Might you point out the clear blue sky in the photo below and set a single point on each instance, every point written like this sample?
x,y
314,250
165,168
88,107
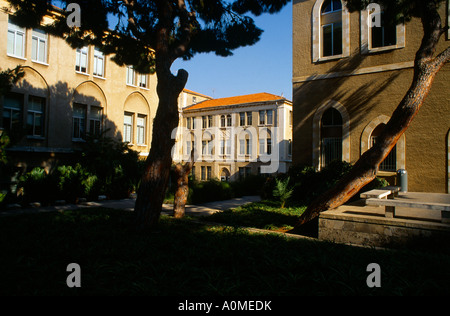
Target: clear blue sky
x,y
263,67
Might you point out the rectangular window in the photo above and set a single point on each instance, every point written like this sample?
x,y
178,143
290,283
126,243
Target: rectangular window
x,y
204,122
95,120
143,81
269,117
229,120
140,125
35,116
193,123
81,63
39,40
210,147
203,175
383,36
262,117
208,173
242,146
131,76
210,121
99,63
193,173
16,40
332,39
242,119
188,122
269,146
128,128
204,147
79,121
12,112
248,145
249,118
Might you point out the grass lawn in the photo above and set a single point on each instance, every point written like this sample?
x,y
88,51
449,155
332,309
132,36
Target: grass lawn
x,y
186,258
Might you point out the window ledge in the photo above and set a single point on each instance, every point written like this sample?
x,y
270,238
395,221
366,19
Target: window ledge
x,y
329,58
40,62
18,57
384,49
99,77
82,73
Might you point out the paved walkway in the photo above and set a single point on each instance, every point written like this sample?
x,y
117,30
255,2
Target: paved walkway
x,y
128,204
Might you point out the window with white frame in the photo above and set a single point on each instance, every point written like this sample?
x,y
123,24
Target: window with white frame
x,y
39,46
229,121
16,40
265,143
143,81
378,33
81,62
128,128
222,121
12,111
140,125
99,63
79,121
131,76
331,28
35,116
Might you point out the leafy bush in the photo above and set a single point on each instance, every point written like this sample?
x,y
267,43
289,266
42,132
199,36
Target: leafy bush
x,y
38,186
282,191
208,191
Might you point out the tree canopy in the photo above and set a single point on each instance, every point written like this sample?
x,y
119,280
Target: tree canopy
x,y
128,29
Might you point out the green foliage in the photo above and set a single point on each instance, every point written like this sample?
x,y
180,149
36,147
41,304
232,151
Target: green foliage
x,y
397,11
217,26
208,191
106,167
282,190
8,78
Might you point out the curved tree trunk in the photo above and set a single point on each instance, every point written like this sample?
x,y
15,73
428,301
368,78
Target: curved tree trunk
x,y
366,168
152,189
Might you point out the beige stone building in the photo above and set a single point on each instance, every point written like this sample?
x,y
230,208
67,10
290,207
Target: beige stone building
x,y
349,74
67,93
236,136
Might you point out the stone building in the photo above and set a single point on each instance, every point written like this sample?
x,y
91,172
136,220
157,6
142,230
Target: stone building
x,y
350,71
236,136
67,93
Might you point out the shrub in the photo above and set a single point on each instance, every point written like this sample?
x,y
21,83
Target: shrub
x,y
282,191
38,186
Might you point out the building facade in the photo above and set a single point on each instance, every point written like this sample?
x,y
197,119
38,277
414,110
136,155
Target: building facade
x,y
236,136
68,93
350,71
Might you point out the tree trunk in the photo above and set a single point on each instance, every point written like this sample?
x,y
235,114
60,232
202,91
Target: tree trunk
x,y
366,168
182,191
153,185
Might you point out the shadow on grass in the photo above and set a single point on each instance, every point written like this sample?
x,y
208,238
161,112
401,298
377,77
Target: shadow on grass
x,y
186,258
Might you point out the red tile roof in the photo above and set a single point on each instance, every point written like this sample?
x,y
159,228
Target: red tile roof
x,y
243,99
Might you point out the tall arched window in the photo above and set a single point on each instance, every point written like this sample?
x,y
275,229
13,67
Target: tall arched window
x,y
390,163
331,28
331,136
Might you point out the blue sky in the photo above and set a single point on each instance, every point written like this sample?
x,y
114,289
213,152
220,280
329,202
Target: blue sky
x,y
263,67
